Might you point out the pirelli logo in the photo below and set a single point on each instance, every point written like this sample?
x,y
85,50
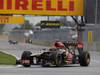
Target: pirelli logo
x,y
11,20
42,7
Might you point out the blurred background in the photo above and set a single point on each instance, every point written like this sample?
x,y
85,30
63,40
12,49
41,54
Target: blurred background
x,y
44,30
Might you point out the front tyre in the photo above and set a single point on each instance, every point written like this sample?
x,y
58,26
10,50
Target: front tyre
x,y
84,59
26,58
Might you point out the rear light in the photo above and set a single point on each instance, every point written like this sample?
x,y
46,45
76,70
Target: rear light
x,y
25,61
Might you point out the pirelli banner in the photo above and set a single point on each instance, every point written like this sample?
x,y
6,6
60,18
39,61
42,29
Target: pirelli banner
x,y
42,7
12,20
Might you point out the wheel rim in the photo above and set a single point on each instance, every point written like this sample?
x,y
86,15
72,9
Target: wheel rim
x,y
87,58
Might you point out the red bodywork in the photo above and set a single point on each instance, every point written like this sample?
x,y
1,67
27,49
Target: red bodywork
x,y
80,44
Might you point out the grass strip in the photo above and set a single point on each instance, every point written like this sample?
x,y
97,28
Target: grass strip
x,y
7,59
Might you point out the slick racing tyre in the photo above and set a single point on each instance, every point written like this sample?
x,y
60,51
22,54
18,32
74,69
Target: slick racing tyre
x,y
26,58
84,59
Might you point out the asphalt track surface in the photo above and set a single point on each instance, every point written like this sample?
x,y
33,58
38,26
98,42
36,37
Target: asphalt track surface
x,y
16,50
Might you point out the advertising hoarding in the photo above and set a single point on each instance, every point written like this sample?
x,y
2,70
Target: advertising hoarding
x,y
12,20
42,7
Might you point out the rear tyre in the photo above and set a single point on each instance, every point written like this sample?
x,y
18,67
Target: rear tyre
x,y
84,59
26,55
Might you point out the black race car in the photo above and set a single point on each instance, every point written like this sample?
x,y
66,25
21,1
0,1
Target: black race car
x,y
64,53
12,42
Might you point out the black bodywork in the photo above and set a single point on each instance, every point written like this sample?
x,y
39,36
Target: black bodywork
x,y
55,57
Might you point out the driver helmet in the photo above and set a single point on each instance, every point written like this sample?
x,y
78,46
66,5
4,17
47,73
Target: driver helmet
x,y
59,44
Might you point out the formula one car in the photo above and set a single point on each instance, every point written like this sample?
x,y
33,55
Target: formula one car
x,y
13,42
29,41
61,54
